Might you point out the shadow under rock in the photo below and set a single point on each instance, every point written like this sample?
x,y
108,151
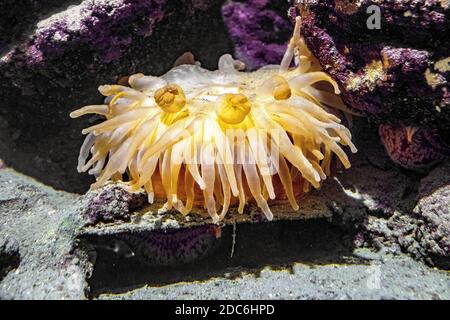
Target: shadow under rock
x,y
382,186
278,245
9,261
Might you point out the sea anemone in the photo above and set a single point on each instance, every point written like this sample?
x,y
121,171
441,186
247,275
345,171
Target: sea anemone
x,y
413,147
223,136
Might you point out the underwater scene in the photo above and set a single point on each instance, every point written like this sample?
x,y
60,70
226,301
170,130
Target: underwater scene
x,y
225,150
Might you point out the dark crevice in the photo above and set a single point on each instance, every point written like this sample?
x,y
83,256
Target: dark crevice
x,y
278,245
9,261
396,33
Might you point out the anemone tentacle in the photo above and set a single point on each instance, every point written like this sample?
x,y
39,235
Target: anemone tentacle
x,y
220,138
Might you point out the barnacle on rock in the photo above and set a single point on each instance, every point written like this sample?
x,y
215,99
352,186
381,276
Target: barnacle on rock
x,y
222,136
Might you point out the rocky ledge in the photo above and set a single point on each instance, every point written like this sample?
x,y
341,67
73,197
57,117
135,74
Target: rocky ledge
x,y
373,226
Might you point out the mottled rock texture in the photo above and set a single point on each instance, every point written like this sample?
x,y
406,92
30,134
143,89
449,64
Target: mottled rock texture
x,y
413,147
173,247
397,74
38,258
111,203
388,71
424,231
60,65
433,209
18,18
259,29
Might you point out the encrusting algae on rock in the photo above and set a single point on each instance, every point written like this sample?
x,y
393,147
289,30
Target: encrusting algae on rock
x,y
221,136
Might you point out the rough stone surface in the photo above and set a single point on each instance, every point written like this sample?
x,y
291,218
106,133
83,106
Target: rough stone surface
x,y
59,66
396,74
423,232
9,256
18,18
37,234
259,29
111,203
433,208
386,72
381,277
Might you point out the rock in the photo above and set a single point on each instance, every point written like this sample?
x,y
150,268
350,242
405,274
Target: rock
x,y
380,277
110,203
167,247
93,25
384,72
9,256
423,231
59,67
433,210
260,30
17,19
413,147
38,259
396,74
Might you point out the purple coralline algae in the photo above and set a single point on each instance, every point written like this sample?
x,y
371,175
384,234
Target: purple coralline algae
x,y
62,59
397,73
392,71
95,24
105,26
413,147
258,31
173,246
111,203
17,17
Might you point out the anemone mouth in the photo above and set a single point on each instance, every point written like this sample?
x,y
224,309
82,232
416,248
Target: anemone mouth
x,y
219,138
